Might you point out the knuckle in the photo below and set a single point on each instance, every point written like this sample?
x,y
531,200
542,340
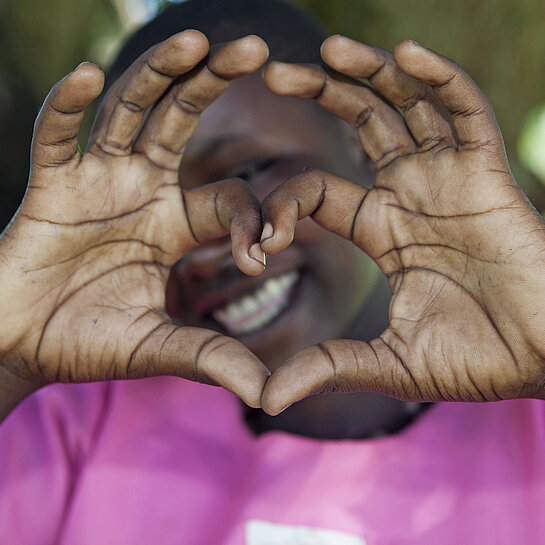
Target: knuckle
x,y
447,81
363,117
411,101
202,359
236,185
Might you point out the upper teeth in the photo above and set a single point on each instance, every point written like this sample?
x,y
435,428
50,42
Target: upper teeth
x,y
253,311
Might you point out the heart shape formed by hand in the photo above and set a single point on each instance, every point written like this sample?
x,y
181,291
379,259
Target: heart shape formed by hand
x,y
87,257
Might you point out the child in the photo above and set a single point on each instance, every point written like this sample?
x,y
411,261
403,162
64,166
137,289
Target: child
x,y
86,262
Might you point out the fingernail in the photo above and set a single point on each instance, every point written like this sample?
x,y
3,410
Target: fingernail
x,y
286,407
414,43
256,253
268,232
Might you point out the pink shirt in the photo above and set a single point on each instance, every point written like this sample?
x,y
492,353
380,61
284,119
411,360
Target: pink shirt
x,y
165,461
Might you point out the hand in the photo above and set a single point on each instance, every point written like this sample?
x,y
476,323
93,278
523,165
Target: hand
x,y
85,261
463,250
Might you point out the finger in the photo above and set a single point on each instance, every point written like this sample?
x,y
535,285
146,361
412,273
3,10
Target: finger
x,y
174,119
333,202
55,140
339,366
472,114
425,115
199,355
381,129
121,114
230,206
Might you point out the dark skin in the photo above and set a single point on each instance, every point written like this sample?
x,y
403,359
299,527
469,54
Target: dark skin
x,y
255,134
85,275
266,139
86,259
462,248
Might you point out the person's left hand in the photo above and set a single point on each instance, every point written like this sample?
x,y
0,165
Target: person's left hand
x,y
463,250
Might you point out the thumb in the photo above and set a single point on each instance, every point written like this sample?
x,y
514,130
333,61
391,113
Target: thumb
x,y
339,366
202,356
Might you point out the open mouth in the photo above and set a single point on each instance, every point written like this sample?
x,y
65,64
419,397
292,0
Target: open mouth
x,y
257,309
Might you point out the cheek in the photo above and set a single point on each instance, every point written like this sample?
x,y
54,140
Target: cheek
x,y
344,275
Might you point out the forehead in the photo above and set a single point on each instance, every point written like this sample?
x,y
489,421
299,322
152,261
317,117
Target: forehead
x,y
249,111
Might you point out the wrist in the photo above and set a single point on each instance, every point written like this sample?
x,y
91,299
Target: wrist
x,y
15,385
14,388
19,310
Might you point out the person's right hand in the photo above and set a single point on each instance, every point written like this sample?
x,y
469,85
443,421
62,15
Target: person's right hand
x,y
84,263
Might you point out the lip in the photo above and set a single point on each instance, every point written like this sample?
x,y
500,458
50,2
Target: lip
x,y
213,295
183,310
192,302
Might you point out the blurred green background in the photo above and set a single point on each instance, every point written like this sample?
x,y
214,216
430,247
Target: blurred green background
x,y
501,43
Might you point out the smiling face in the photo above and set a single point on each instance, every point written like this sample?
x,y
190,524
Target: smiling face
x,y
314,289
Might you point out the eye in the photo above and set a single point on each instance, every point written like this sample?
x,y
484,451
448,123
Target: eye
x,y
252,170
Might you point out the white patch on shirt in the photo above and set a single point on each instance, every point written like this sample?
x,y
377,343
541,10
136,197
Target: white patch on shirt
x,y
259,532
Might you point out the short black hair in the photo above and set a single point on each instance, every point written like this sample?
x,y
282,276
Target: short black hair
x,y
292,36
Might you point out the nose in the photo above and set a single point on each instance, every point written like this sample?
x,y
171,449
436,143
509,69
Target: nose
x,y
209,260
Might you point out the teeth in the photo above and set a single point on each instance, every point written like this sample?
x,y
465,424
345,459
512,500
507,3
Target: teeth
x,y
249,304
234,311
253,311
273,286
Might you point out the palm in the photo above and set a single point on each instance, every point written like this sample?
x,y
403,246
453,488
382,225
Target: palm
x,y
445,222
118,228
439,340
445,259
